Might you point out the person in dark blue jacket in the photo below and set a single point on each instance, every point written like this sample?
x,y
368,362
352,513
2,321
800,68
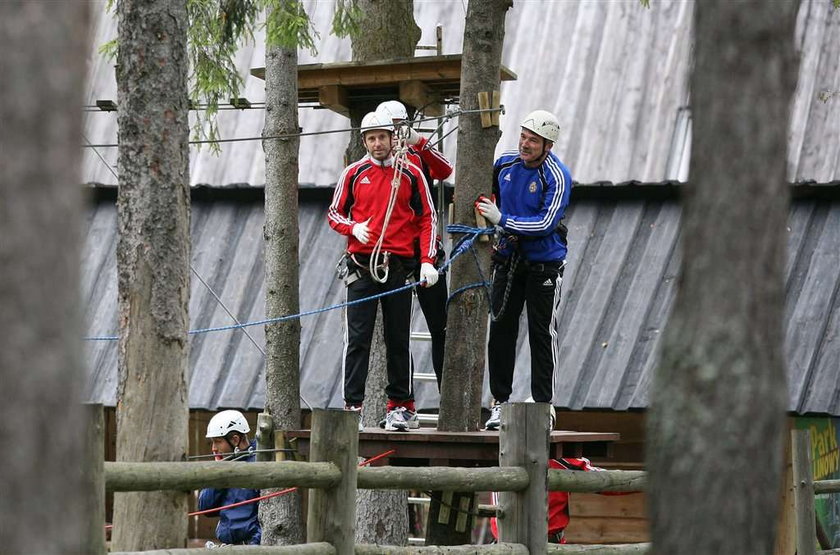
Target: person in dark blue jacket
x,y
228,432
531,189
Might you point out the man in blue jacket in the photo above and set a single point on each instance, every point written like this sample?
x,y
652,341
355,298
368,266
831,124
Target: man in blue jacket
x,y
531,188
228,432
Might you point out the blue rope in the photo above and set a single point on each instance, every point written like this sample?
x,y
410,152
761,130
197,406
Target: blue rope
x,y
463,244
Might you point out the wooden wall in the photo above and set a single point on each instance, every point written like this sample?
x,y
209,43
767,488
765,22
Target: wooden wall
x,y
609,518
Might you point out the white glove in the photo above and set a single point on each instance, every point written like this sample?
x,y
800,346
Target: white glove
x,y
490,211
429,273
361,232
407,133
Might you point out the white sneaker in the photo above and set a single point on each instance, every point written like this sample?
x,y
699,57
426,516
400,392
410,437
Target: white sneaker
x,y
395,420
412,419
495,420
356,408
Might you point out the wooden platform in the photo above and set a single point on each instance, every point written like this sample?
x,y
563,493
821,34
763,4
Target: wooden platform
x,y
428,446
426,81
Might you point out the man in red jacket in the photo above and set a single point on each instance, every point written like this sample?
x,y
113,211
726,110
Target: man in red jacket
x,y
558,501
382,204
434,165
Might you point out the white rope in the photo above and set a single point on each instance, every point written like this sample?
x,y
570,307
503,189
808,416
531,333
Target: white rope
x,y
379,272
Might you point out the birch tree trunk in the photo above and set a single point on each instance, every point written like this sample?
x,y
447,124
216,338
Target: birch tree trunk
x,y
43,506
282,517
387,31
153,255
719,398
460,403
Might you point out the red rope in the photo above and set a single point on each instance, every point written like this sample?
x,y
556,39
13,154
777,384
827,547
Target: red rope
x,y
276,493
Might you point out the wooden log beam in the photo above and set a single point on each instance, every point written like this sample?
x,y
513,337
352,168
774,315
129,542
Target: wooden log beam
x,y
613,549
334,97
418,94
523,442
320,548
95,478
826,486
183,476
591,482
443,478
803,490
265,437
331,515
513,548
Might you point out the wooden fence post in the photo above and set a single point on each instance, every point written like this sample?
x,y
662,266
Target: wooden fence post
x,y
803,481
332,512
94,477
523,442
265,437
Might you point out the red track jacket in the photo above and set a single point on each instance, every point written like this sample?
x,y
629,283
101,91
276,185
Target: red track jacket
x,y
558,501
362,192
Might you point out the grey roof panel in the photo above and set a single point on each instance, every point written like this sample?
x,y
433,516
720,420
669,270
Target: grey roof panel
x,y
618,291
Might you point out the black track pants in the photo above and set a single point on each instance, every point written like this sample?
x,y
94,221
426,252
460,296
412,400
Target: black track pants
x,y
433,304
360,321
538,287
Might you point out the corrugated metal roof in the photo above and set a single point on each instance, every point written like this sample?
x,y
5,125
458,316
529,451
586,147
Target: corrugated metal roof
x,y
617,293
616,75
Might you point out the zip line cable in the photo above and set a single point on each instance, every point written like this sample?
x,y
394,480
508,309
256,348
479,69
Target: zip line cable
x,y
203,282
449,115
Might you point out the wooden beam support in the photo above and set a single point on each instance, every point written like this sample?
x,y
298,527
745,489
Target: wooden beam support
x,y
523,442
484,104
418,94
265,437
591,482
332,511
183,476
786,528
322,548
94,477
334,97
443,478
803,489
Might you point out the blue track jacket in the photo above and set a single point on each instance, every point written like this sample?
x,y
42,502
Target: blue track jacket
x,y
532,202
239,524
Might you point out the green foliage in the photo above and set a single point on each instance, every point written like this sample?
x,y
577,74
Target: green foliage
x,y
347,17
837,4
288,26
645,3
216,29
110,49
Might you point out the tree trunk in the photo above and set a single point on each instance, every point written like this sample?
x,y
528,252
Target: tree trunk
x,y
387,31
43,67
460,403
282,517
153,255
718,403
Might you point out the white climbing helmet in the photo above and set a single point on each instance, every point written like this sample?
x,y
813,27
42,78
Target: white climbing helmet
x,y
544,124
373,121
225,422
391,110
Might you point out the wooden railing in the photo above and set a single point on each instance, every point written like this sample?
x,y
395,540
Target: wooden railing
x,y
804,489
522,478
